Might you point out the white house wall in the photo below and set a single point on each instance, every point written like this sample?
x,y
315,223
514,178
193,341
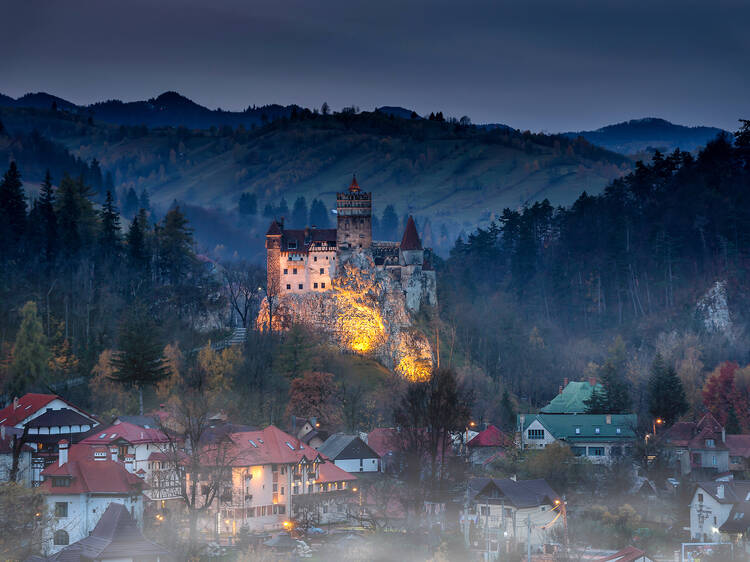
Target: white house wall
x,y
353,465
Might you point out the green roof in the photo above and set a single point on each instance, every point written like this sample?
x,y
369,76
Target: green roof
x,y
571,399
563,426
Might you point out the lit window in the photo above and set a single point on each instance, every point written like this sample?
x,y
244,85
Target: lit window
x,y
288,444
596,430
618,431
578,430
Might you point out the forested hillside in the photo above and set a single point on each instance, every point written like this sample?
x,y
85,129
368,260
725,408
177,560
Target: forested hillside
x,y
450,175
540,294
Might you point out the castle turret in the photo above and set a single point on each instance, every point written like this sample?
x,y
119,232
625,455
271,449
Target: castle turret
x,y
273,257
410,251
354,218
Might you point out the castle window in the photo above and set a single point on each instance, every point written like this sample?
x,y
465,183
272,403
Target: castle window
x,y
321,271
315,258
322,285
286,272
292,245
288,286
300,286
315,285
294,271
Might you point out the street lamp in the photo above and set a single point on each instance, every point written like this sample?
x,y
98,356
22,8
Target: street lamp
x,y
657,421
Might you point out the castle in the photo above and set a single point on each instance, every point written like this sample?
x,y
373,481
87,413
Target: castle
x,y
308,260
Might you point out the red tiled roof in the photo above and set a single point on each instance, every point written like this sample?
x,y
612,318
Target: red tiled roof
x,y
91,476
410,240
680,434
383,440
354,185
131,433
490,437
268,446
739,445
627,554
329,472
27,406
327,236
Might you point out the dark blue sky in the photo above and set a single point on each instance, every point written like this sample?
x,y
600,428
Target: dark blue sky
x,y
541,64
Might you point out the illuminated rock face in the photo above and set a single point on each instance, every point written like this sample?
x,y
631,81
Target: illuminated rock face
x,y
367,311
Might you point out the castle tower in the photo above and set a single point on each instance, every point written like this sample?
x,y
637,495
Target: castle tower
x,y
273,258
410,250
354,218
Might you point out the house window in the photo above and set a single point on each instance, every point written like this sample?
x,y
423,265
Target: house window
x,y
579,451
700,498
484,510
263,511
282,490
286,272
275,487
578,430
536,434
596,451
61,509
713,460
294,271
292,245
60,482
283,470
596,430
321,271
282,509
710,443
61,538
618,430
315,258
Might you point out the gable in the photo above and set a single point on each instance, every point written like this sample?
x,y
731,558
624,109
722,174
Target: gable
x,y
357,449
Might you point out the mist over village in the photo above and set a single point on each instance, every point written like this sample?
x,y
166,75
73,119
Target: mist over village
x,y
410,282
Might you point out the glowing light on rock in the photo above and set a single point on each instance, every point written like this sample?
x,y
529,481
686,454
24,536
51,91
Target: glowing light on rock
x,y
414,358
360,324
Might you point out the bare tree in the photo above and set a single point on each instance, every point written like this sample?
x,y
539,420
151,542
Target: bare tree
x,y
23,519
243,283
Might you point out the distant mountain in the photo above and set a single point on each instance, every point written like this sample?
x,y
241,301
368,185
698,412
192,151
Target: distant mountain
x,y
643,135
169,109
397,111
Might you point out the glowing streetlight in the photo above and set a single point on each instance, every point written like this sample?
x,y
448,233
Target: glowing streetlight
x,y
657,421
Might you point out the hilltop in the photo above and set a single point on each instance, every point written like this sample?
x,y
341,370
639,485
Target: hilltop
x,y
450,175
645,135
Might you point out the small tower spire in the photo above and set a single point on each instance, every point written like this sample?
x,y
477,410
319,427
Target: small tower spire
x,y
354,187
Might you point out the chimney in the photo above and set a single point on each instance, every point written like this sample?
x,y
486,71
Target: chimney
x,y
129,463
559,389
565,382
720,491
113,453
62,456
15,403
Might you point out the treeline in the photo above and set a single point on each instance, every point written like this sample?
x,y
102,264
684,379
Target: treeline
x,y
637,257
73,259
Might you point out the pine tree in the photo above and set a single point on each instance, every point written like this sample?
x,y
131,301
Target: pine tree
x,y
319,214
30,353
508,419
299,213
138,256
12,209
666,394
175,240
130,203
144,201
614,395
48,220
139,360
109,235
389,224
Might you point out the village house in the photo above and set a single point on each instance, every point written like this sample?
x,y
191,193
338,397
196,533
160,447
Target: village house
x,y
81,485
308,431
146,446
697,449
601,438
115,538
739,454
275,476
720,511
43,420
350,453
488,445
499,512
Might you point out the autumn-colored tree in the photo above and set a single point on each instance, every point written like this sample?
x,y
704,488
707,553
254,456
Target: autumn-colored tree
x,y
169,384
722,399
315,395
110,397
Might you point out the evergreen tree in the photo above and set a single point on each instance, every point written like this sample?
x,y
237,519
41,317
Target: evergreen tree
x,y
130,204
175,242
48,220
109,234
299,213
666,394
318,214
12,209
144,201
508,415
248,204
30,354
614,395
138,255
389,224
139,360
283,209
95,176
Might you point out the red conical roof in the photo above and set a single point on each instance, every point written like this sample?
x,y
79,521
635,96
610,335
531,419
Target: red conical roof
x,y
354,186
274,229
410,240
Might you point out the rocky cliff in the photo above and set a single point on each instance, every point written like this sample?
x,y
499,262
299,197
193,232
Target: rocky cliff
x,y
366,311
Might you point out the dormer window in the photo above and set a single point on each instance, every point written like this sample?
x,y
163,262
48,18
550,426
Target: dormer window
x,y
618,430
292,245
597,430
578,430
710,443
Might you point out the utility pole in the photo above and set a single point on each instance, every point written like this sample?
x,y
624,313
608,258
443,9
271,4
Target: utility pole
x,y
528,538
